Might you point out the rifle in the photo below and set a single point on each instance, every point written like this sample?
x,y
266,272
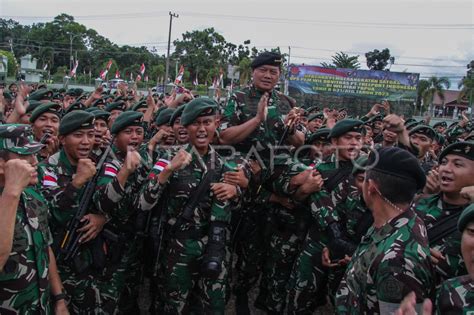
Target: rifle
x,y
443,228
70,243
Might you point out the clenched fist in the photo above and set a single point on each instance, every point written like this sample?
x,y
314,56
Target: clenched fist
x,y
85,171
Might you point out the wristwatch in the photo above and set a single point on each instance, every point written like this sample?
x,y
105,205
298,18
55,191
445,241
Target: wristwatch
x,y
59,296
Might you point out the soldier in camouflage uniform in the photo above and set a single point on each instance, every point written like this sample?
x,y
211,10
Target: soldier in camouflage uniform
x,y
308,282
194,252
118,187
456,166
29,281
393,258
456,296
253,122
101,130
45,120
63,177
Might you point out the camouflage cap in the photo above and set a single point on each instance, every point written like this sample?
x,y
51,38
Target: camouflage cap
x,y
164,116
75,120
466,217
345,126
49,107
42,94
198,107
126,119
18,139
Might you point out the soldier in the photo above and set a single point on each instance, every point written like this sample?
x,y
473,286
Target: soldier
x,y
118,187
308,281
197,214
102,133
440,127
422,138
440,210
63,177
29,280
45,124
393,258
115,109
180,133
315,121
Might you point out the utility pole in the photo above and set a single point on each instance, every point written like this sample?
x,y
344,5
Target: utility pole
x,y
71,59
470,75
287,79
172,15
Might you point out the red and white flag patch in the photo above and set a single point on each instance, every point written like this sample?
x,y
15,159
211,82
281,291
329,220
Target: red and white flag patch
x,y
110,170
161,164
50,179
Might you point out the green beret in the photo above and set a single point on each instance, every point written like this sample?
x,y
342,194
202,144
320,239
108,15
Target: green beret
x,y
316,116
120,105
126,119
440,139
75,106
345,126
164,116
397,162
440,124
412,125
18,139
78,119
7,95
322,134
467,216
75,92
91,109
140,104
374,119
42,94
360,164
424,130
267,58
100,114
57,96
32,106
409,120
198,107
50,107
119,98
177,113
62,90
311,109
464,149
97,102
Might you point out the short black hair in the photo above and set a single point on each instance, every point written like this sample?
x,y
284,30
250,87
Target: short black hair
x,y
396,189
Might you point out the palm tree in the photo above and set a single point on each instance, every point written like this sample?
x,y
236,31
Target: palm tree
x,y
245,70
435,87
343,60
422,86
467,91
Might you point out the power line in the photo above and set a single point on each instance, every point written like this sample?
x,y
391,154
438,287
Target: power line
x,y
262,19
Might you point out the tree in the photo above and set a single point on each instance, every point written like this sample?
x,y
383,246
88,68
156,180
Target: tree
x,y
379,60
343,60
423,85
12,66
245,71
435,87
467,90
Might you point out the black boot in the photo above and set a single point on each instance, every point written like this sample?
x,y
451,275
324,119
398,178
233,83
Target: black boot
x,y
215,251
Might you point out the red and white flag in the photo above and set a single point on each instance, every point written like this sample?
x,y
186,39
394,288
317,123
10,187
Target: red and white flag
x,y
146,78
221,77
131,76
117,74
73,70
45,67
142,69
195,81
215,83
103,74
110,170
139,78
109,64
179,77
50,179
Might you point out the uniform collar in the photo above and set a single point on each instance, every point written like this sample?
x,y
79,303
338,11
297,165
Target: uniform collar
x,y
64,160
378,235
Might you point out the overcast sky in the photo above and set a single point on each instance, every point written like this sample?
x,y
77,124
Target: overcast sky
x,y
438,34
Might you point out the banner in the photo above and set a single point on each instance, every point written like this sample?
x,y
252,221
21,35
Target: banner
x,y
393,86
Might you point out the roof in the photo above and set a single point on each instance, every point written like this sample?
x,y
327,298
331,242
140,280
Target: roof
x,y
450,97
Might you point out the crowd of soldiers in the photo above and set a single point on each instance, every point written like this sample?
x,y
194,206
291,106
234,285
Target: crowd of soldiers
x,y
111,196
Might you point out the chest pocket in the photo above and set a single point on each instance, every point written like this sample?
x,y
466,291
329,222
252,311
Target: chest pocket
x,y
184,182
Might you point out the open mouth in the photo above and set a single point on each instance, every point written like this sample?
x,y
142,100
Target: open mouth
x,y
83,152
446,180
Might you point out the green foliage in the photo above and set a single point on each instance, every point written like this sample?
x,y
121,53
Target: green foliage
x,y
467,90
436,86
379,60
343,60
12,65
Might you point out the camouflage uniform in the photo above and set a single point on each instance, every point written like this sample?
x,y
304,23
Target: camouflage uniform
x,y
241,107
389,263
431,210
24,281
456,296
89,290
118,203
186,240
